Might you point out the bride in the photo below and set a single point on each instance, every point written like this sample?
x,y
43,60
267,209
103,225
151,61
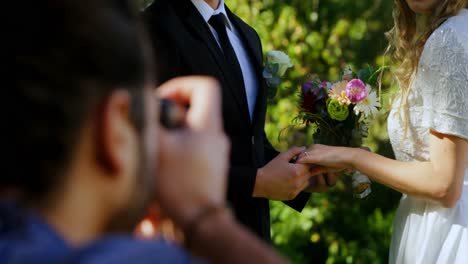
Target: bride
x,y
428,128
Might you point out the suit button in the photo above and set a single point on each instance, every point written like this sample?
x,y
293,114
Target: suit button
x,y
253,140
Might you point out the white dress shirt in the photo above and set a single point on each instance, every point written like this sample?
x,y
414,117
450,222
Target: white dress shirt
x,y
248,71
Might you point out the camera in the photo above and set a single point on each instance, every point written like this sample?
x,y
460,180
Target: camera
x,y
172,115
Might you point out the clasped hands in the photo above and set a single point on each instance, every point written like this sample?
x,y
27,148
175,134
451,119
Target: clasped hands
x,y
283,180
203,148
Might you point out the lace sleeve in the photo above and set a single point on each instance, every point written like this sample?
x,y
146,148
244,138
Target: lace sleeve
x,y
443,71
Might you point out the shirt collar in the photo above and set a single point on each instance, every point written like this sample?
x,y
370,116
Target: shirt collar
x,y
206,11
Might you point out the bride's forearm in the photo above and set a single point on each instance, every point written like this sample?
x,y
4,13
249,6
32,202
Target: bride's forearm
x,y
440,178
421,179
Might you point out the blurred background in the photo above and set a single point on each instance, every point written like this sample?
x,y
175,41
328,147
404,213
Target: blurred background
x,y
322,37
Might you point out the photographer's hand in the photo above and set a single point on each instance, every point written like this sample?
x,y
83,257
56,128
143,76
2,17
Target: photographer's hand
x,y
193,160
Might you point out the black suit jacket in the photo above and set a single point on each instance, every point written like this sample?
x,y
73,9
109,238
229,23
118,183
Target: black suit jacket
x,y
184,45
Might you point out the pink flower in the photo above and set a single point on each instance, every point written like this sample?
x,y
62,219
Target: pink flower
x,y
356,90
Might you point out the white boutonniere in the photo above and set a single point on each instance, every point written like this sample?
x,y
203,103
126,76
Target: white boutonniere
x,y
276,65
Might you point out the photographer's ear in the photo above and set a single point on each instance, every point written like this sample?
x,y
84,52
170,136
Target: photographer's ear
x,y
117,139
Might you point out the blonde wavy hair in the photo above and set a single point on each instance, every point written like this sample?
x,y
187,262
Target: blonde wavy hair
x,y
407,40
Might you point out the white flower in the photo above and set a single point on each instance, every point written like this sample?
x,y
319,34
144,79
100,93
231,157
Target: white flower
x,y
368,88
338,93
369,106
281,59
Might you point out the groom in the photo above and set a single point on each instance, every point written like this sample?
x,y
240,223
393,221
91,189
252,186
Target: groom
x,y
203,37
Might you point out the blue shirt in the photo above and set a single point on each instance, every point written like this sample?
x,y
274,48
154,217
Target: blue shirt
x,y
26,238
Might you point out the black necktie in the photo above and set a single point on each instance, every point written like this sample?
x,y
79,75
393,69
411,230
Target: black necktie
x,y
218,22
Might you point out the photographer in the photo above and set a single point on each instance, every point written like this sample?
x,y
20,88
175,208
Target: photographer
x,y
86,153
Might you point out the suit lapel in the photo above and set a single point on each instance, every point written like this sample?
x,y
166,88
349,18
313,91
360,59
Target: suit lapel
x,y
249,38
250,41
198,25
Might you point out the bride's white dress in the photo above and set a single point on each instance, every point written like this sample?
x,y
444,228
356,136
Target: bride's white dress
x,y
424,231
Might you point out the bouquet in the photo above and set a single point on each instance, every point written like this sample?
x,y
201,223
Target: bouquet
x,y
341,113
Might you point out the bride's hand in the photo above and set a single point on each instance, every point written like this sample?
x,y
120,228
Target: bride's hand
x,y
333,158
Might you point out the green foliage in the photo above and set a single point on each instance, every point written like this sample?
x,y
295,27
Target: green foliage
x,y
323,37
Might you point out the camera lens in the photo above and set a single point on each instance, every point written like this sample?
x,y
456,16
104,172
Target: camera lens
x,y
172,115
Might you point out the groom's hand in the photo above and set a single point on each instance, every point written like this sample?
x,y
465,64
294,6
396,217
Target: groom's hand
x,y
282,180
